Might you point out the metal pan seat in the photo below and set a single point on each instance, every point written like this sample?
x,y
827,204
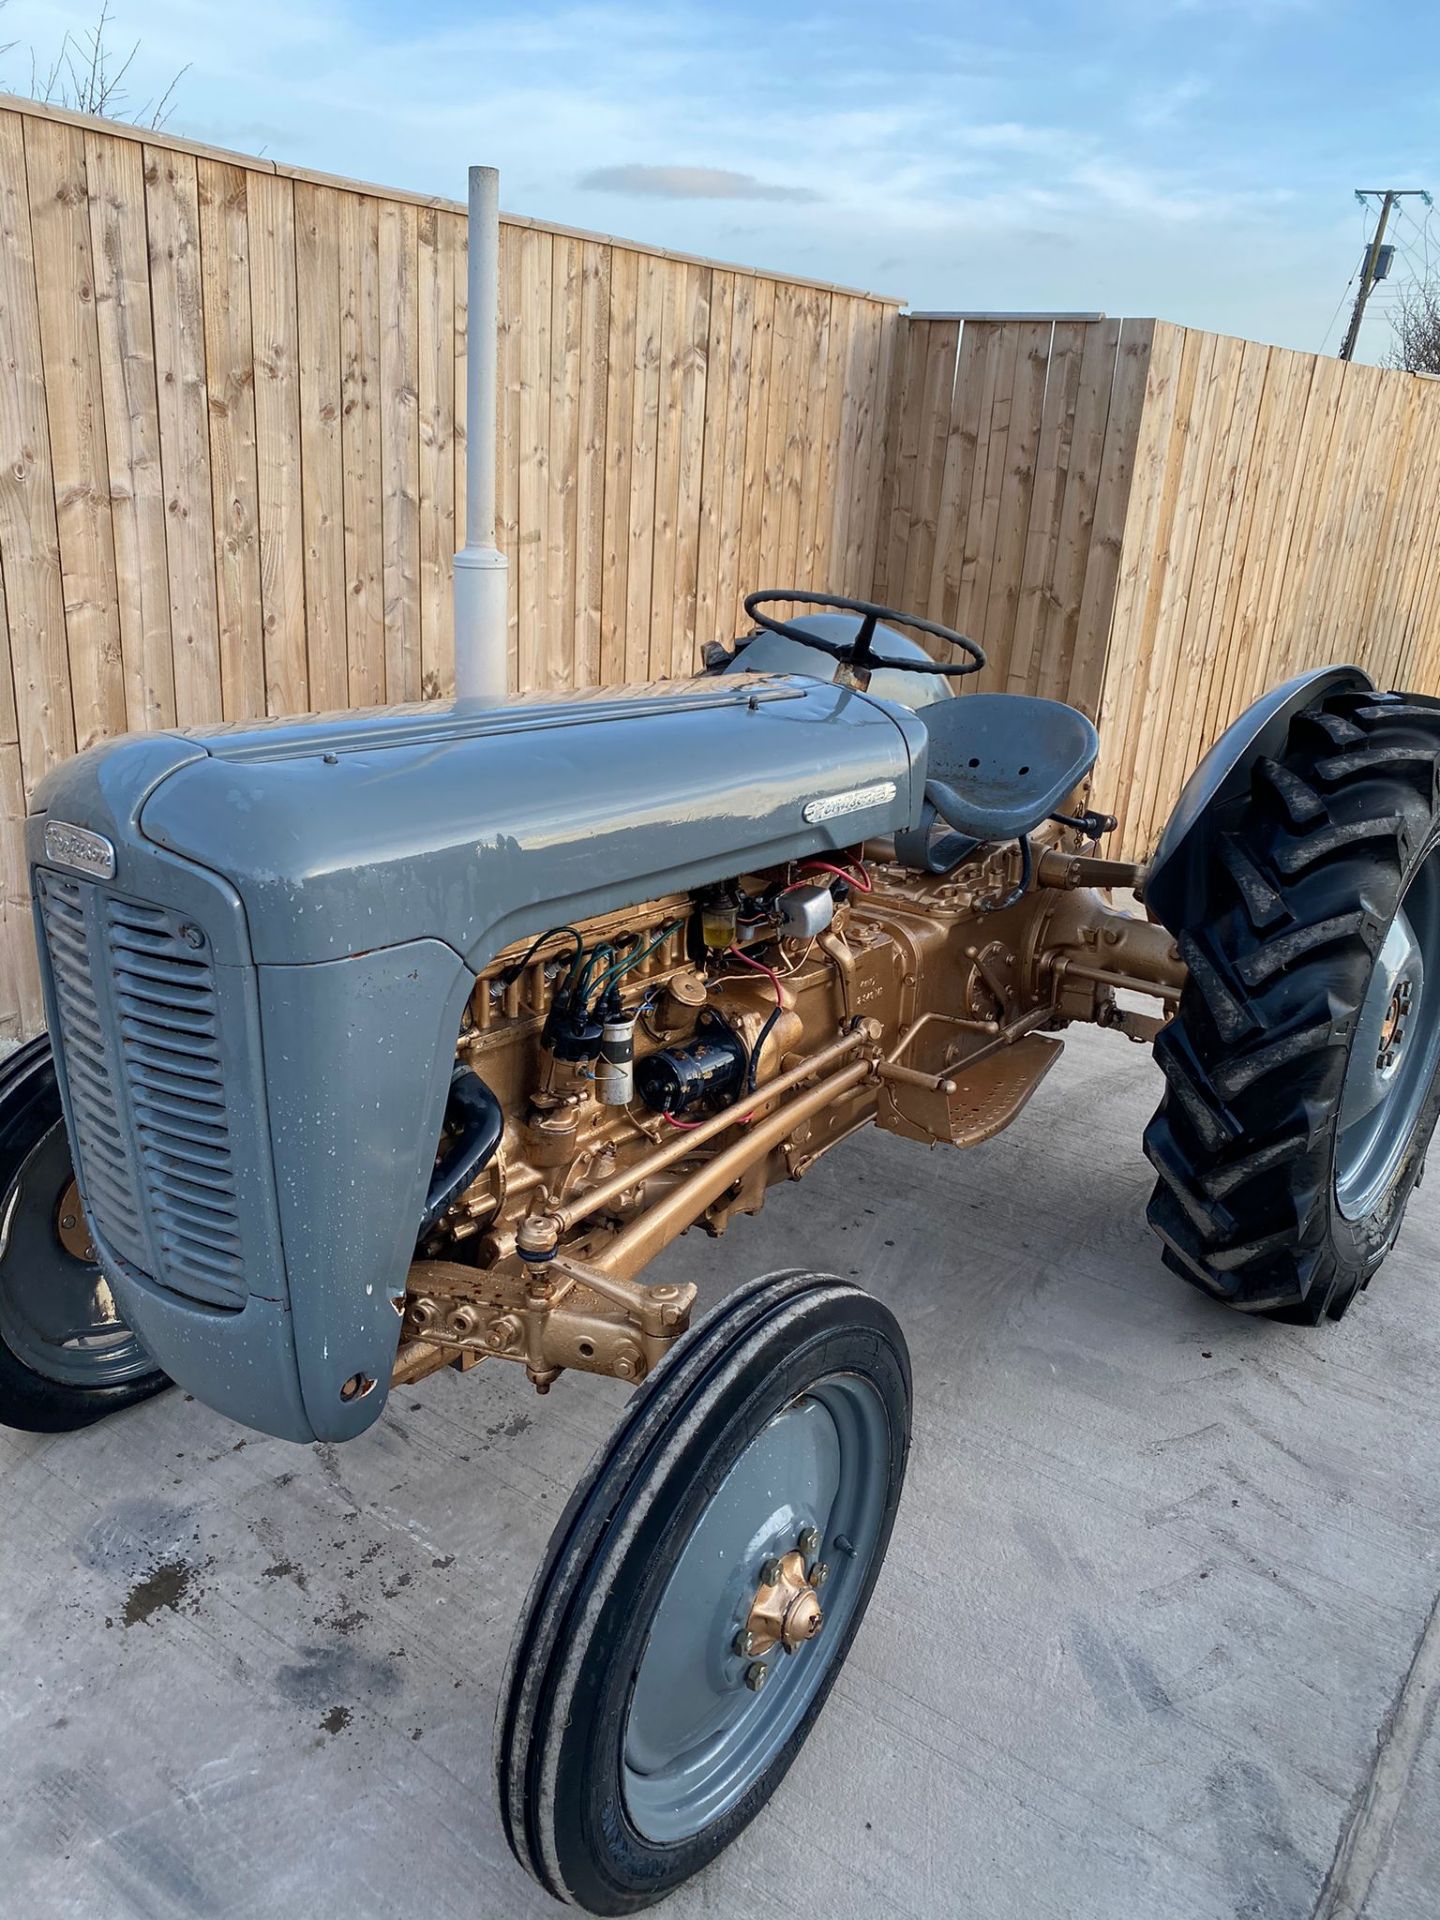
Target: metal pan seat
x,y
998,764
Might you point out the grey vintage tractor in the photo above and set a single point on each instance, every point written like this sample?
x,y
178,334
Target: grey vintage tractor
x,y
400,1040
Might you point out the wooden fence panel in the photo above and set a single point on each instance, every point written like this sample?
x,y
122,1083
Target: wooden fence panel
x,y
1157,524
1006,484
1285,514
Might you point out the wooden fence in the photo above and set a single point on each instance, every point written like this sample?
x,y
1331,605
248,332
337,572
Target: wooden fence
x,y
232,474
232,449
1006,484
1284,513
1157,524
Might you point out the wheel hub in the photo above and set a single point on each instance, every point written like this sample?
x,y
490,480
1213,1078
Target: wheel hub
x,y
785,1611
70,1227
1393,1026
1394,1052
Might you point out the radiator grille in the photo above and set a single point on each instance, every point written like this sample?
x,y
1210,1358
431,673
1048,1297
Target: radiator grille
x,y
101,1139
165,1196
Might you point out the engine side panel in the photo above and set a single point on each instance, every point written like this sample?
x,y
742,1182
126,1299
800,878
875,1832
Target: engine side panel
x,y
359,1053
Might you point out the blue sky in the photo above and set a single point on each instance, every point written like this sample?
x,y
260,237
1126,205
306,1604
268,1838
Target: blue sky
x,y
1189,158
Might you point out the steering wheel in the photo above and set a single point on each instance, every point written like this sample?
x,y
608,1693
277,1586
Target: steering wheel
x,y
857,652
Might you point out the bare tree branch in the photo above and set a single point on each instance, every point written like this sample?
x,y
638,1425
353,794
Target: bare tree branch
x,y
87,76
1416,327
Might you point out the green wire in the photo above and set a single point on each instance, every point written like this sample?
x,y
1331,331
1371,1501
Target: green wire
x,y
582,987
620,968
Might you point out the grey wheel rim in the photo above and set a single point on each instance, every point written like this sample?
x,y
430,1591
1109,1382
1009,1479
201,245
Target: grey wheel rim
x,y
1394,1051
57,1315
696,1736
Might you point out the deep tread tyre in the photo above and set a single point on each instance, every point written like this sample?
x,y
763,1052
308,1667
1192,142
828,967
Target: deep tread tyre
x,y
29,1114
1310,870
599,1600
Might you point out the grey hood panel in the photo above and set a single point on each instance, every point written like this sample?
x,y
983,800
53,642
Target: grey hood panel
x,y
469,823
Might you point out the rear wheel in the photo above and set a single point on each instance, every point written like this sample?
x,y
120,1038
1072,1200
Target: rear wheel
x,y
66,1358
701,1592
1302,1062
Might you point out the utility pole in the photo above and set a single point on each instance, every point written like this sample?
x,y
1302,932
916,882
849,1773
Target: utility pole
x,y
1389,195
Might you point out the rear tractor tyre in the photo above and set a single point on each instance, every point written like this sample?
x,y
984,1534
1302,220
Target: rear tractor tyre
x,y
701,1592
1301,1065
66,1359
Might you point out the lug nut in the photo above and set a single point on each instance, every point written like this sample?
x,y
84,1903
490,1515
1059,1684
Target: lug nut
x,y
745,1643
756,1676
770,1574
810,1541
819,1574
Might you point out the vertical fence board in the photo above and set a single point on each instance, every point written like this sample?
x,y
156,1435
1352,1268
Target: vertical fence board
x,y
563,460
435,279
275,344
120,258
665,531
619,405
172,215
234,478
35,700
645,428
70,365
400,450
360,448
317,264
595,266
534,451
694,397
733,453
757,425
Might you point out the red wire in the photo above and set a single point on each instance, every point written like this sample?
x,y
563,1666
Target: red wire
x,y
760,967
687,1124
859,878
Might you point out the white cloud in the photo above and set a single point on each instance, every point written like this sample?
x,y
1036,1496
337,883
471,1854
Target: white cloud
x,y
689,183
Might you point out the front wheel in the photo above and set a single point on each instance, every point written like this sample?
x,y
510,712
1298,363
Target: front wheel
x,y
66,1358
1301,1065
701,1592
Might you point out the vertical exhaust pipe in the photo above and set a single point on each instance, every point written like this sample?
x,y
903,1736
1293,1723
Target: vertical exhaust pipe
x,y
480,613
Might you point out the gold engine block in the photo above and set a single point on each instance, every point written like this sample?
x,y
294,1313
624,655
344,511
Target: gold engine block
x,y
930,1005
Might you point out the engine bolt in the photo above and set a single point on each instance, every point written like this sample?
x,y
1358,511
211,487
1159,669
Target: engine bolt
x,y
770,1574
819,1574
756,1676
809,1541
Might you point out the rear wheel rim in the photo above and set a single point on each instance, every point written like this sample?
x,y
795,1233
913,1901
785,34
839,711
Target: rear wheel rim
x,y
57,1315
696,1736
1394,1051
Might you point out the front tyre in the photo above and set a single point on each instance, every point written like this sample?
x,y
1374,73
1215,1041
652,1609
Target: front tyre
x,y
1301,1065
701,1592
66,1359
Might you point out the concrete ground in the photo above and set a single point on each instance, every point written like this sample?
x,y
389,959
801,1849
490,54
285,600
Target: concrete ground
x,y
1155,1640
